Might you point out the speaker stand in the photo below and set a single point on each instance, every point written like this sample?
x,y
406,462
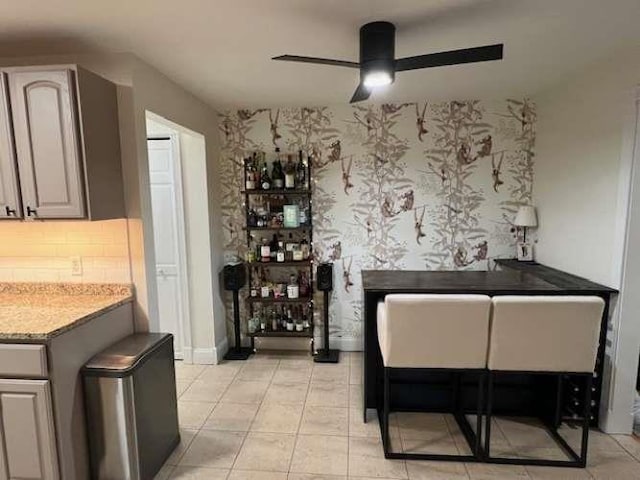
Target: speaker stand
x,y
326,355
238,352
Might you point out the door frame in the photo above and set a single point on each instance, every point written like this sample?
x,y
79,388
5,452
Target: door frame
x,y
185,325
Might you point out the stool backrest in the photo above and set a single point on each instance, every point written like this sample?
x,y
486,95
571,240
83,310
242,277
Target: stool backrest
x,y
434,331
545,333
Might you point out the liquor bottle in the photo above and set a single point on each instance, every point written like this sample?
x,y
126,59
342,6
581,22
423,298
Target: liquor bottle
x,y
265,251
252,217
273,248
301,173
299,321
306,250
302,212
293,289
283,319
277,175
274,322
250,176
290,174
305,321
290,247
263,322
290,324
265,179
281,253
303,283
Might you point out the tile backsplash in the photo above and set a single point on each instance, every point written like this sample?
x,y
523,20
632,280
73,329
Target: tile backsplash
x,y
43,251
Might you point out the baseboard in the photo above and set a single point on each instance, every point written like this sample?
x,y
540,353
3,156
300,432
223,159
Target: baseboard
x,y
345,344
204,356
221,349
187,354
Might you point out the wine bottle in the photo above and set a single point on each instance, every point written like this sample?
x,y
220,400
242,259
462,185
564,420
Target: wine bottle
x,y
265,179
301,173
277,175
289,321
273,248
290,174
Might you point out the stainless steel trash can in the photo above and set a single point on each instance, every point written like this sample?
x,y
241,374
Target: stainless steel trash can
x,y
131,407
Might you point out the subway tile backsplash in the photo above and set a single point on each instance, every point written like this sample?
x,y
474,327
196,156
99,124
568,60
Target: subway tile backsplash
x,y
42,251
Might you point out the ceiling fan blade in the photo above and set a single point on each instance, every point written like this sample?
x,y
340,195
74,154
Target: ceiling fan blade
x,y
452,57
321,61
361,93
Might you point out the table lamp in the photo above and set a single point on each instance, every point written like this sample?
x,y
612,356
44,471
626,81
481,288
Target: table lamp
x,y
526,217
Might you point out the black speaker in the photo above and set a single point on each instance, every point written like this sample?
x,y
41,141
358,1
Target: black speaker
x,y
234,275
325,277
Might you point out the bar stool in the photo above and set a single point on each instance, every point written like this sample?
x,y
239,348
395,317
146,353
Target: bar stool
x,y
434,333
545,335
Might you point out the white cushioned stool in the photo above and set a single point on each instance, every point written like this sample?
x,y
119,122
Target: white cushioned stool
x,y
436,333
545,335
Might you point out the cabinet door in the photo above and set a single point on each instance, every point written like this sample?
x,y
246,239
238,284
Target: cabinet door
x,y
9,197
45,127
27,439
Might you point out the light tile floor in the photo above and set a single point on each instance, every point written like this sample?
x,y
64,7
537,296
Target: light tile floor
x,y
282,417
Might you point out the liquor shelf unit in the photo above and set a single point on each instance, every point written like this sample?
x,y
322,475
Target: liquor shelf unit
x,y
303,304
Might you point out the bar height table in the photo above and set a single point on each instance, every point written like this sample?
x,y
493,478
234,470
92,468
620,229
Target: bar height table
x,y
518,280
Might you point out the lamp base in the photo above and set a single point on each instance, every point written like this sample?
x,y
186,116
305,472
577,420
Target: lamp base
x,y
242,353
327,356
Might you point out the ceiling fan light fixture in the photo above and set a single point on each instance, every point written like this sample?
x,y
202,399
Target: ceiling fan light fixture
x,y
378,78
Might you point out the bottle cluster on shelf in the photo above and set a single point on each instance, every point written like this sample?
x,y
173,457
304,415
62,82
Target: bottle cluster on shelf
x,y
289,175
280,319
278,250
278,212
296,287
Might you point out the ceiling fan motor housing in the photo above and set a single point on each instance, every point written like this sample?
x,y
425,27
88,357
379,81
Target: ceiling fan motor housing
x,y
377,48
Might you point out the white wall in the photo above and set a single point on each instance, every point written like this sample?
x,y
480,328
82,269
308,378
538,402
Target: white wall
x,y
579,186
586,130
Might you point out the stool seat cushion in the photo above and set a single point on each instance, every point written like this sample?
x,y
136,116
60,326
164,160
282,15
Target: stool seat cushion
x,y
434,330
545,333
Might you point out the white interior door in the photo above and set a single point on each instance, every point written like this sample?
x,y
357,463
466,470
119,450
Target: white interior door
x,y
168,232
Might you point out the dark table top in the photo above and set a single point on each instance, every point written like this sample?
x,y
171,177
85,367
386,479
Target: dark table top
x,y
510,281
452,281
564,280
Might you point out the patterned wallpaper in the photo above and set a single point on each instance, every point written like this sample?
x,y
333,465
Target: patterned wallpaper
x,y
397,186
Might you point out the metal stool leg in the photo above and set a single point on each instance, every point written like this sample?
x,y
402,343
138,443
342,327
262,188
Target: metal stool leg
x,y
586,420
480,408
487,438
385,415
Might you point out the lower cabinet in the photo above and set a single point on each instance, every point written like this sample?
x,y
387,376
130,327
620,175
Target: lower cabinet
x,y
27,437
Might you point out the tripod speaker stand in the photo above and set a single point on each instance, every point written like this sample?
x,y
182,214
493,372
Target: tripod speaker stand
x,y
325,284
234,276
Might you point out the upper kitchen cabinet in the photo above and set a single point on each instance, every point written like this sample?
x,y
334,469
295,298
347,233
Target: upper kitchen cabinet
x,y
10,206
67,144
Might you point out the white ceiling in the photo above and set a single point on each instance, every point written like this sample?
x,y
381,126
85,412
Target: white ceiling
x,y
220,49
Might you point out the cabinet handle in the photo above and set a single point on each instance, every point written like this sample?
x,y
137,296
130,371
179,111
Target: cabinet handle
x,y
31,211
11,212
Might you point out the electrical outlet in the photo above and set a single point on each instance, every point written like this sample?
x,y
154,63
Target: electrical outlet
x,y
76,266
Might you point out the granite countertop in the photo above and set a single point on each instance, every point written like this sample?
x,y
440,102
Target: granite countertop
x,y
40,311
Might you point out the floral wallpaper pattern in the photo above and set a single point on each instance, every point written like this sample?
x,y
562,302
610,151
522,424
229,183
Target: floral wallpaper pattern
x,y
397,186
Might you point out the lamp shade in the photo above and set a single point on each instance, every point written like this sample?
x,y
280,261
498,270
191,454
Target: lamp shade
x,y
526,217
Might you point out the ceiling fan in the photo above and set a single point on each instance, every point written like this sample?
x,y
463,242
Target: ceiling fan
x,y
378,64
